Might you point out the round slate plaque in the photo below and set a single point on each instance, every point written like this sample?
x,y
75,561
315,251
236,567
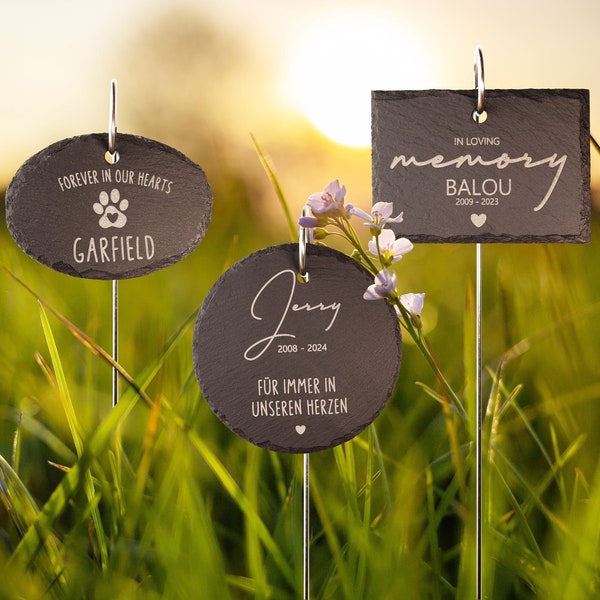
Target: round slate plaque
x,y
291,366
74,212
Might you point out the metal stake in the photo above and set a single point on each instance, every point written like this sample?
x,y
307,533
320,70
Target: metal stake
x,y
115,340
305,236
111,157
479,116
478,449
306,523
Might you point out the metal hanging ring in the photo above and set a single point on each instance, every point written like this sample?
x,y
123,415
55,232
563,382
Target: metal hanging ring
x,y
305,235
112,156
479,114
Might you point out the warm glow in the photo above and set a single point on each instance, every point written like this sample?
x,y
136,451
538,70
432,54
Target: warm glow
x,y
339,60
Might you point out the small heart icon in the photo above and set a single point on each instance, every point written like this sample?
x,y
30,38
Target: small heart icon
x,y
300,429
478,220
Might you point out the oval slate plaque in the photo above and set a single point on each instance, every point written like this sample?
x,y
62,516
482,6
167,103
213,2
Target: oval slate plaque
x,y
72,211
296,367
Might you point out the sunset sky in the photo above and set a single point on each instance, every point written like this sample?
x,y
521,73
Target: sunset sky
x,y
314,63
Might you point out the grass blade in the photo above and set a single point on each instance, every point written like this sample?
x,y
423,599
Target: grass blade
x,y
40,528
268,167
253,549
75,428
24,513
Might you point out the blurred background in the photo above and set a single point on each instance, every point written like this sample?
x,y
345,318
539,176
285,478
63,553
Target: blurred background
x,y
204,77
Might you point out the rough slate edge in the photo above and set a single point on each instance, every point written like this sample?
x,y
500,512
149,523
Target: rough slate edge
x,y
19,179
311,250
34,162
582,95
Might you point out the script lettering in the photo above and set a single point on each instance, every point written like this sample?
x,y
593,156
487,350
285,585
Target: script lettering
x,y
258,348
500,162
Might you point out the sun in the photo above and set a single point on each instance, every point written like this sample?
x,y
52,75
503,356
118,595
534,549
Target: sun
x,y
338,61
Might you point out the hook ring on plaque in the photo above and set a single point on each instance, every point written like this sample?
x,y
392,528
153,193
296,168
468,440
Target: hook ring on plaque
x,y
112,156
479,114
305,235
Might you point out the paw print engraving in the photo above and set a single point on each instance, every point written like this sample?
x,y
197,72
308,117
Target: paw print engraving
x,y
111,209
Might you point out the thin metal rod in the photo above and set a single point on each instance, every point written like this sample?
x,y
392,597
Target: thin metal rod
x,y
478,449
115,340
306,522
112,156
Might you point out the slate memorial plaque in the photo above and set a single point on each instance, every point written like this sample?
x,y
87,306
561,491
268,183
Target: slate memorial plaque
x,y
72,211
296,367
522,175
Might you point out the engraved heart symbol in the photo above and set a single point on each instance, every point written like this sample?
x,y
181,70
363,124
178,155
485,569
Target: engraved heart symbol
x,y
300,429
478,220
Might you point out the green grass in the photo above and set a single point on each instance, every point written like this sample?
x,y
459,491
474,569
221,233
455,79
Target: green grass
x,y
157,499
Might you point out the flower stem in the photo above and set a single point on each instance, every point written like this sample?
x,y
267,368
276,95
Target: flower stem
x,y
353,238
451,404
447,394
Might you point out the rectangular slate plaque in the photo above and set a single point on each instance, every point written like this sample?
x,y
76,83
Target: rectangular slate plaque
x,y
523,175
